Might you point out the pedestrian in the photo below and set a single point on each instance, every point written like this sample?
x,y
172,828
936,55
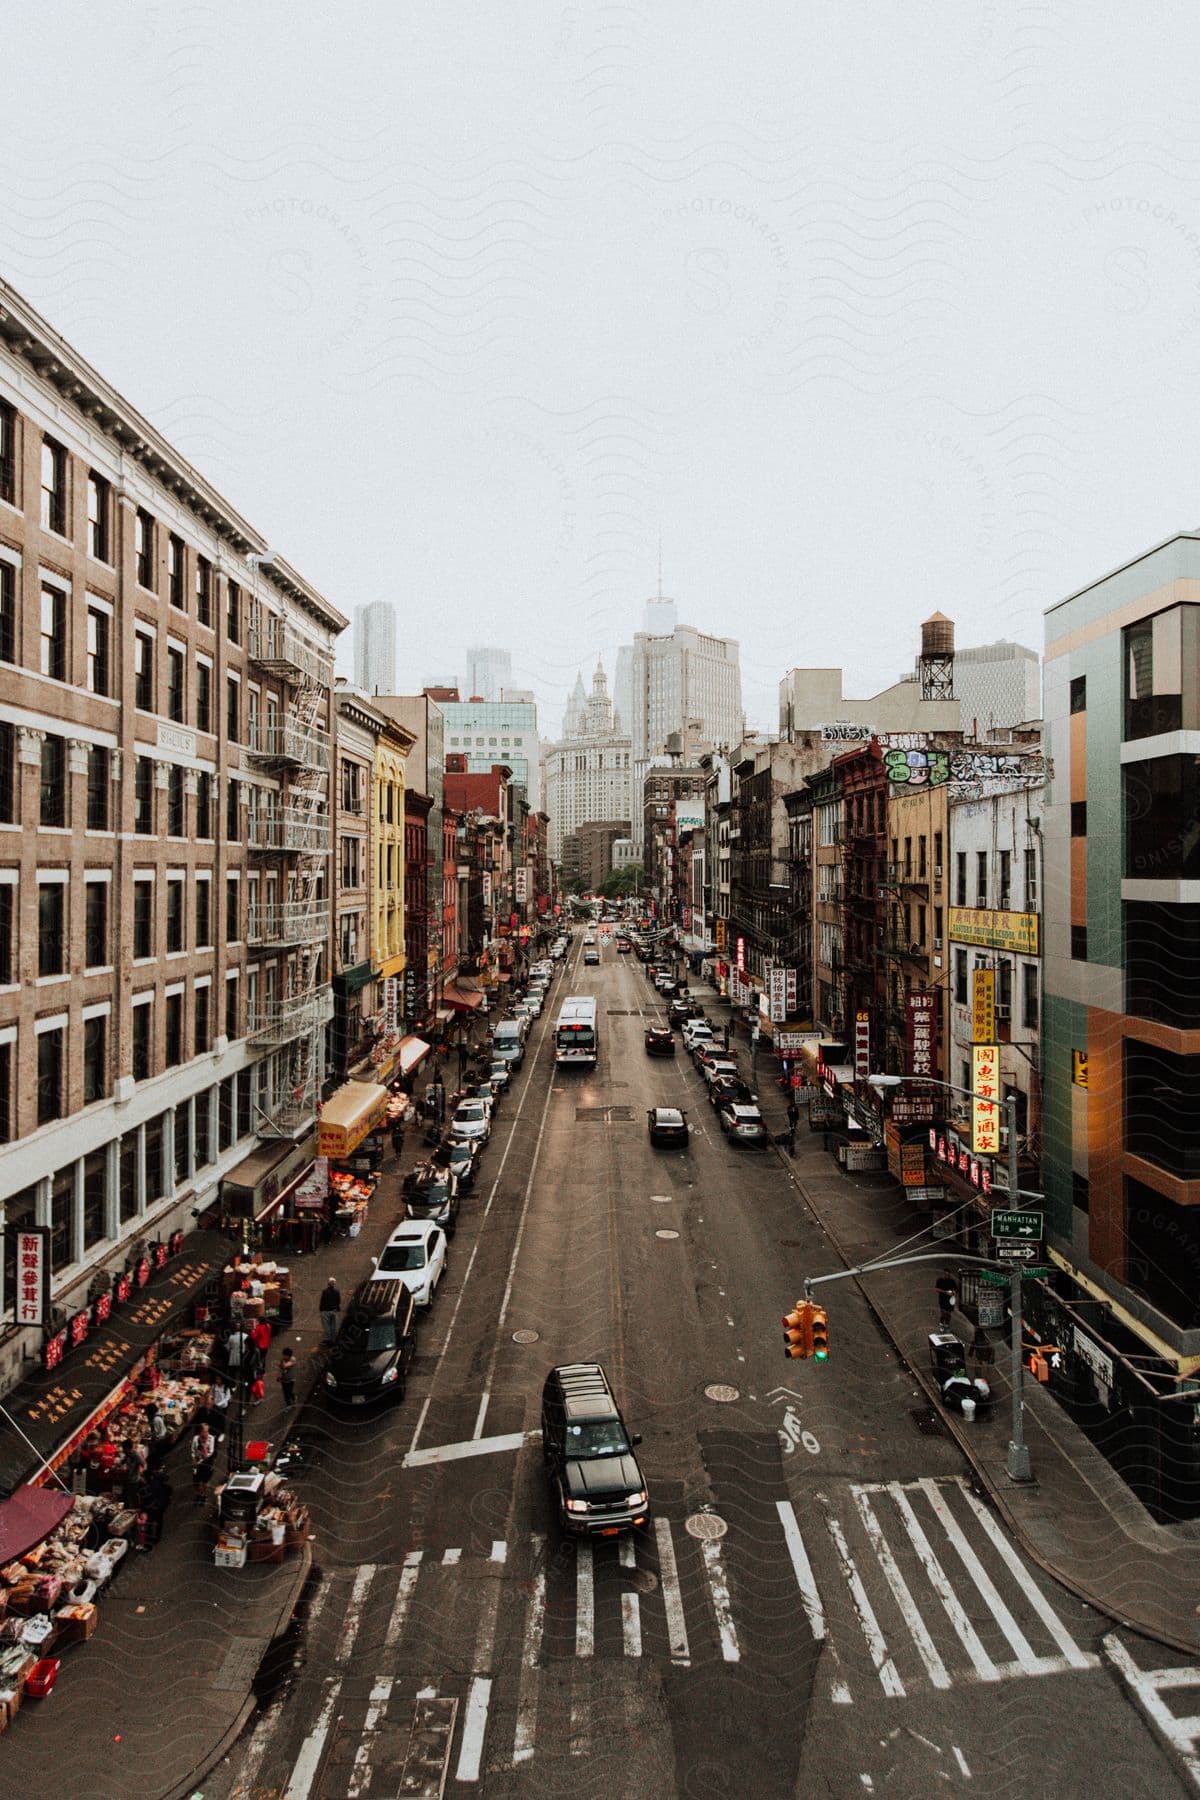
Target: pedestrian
x,y
398,1139
204,1449
791,1138
287,1375
235,1350
947,1293
253,1364
160,1441
155,1501
330,1307
793,1112
260,1337
219,1397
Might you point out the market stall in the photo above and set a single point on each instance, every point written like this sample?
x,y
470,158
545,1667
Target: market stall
x,y
350,1136
259,1519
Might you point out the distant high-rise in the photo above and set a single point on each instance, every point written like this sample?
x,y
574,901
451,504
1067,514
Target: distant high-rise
x,y
375,647
682,681
587,774
488,670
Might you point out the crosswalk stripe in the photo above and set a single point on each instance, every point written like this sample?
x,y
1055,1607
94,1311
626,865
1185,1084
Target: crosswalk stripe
x,y
360,1775
585,1624
668,1575
479,1691
935,1667
884,1666
304,1770
363,1578
813,1608
983,1665
1147,1684
983,1581
527,1689
631,1612
405,1586
718,1589
1077,1658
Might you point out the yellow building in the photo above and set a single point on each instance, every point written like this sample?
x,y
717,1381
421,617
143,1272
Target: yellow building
x,y
392,746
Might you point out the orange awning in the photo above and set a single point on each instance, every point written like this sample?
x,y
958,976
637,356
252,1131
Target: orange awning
x,y
465,999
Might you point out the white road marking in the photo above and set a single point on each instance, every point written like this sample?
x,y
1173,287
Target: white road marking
x,y
719,1590
962,1761
934,1666
449,1333
1026,1656
531,1649
631,1612
1077,1658
585,1600
668,1575
499,1551
404,1590
451,1556
353,1618
265,1729
1148,1686
984,1667
360,1777
884,1666
481,1415
493,1446
805,1581
470,1752
304,1769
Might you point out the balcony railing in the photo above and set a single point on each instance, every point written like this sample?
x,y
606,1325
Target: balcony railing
x,y
904,949
296,1016
289,828
288,1119
289,743
278,647
288,922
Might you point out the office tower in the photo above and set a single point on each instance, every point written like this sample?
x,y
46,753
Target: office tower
x,y
375,647
488,670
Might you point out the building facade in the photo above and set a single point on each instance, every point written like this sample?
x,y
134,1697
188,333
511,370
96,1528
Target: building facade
x,y
588,777
355,993
491,731
682,681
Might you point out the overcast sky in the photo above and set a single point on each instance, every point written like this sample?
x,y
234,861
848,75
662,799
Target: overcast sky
x,y
867,309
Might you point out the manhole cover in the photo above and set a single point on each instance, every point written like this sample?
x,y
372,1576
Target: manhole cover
x,y
644,1580
525,1337
720,1391
705,1526
666,1234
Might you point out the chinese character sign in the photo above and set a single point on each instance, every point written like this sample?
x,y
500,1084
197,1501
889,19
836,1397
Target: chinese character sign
x,y
31,1277
983,1006
862,1045
390,1004
921,1009
719,933
791,991
521,890
741,955
778,995
985,1091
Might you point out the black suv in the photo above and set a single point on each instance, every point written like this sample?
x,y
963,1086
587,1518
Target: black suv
x,y
372,1353
594,1476
431,1192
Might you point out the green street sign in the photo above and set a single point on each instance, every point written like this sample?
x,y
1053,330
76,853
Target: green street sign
x,y
995,1277
1016,1225
1038,1270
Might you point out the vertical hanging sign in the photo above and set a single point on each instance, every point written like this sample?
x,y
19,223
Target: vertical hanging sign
x,y
33,1274
862,1045
983,1006
985,1095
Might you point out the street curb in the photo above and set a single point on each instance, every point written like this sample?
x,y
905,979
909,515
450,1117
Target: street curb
x,y
1033,1550
184,1789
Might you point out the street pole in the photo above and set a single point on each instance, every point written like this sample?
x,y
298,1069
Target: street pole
x,y
1019,1467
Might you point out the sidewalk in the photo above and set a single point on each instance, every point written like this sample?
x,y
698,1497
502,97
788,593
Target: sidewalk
x,y
161,1693
1077,1519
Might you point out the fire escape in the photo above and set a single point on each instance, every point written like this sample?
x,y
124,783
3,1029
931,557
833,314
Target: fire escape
x,y
294,831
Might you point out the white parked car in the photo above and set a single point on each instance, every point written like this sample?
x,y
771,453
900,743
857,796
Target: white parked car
x,y
416,1255
696,1031
472,1119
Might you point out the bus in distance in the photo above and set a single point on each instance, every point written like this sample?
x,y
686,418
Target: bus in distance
x,y
576,1038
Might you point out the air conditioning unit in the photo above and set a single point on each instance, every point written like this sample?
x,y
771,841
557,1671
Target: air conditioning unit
x,y
937,943
1004,1012
938,872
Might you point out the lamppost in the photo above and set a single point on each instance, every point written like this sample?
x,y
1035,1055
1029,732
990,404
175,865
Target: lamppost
x,y
1019,1468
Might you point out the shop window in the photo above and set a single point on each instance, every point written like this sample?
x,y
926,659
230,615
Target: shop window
x,y
99,788
52,914
243,1102
8,612
20,1212
127,1190
155,1168
95,1196
226,1110
203,1132
183,1144
54,487
143,797
53,642
62,1206
143,548
99,505
51,1047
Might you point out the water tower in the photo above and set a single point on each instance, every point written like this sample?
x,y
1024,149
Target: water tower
x,y
936,663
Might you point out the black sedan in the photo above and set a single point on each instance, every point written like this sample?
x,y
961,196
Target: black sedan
x,y
431,1192
667,1125
660,1041
461,1157
731,1089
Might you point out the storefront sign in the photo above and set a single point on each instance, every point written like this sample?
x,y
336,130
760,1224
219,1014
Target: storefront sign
x,y
391,1005
719,933
921,1033
1079,1068
954,1155
741,955
521,889
33,1270
141,1272
175,1243
54,1349
778,992
312,1190
101,1310
862,1045
983,1006
78,1327
1017,932
158,1255
912,1109
985,1093
790,1043
122,1288
791,991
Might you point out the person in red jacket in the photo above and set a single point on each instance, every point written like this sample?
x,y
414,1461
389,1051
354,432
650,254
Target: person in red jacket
x,y
260,1337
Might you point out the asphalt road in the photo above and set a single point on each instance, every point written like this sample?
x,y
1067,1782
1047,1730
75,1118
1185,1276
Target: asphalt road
x,y
822,1604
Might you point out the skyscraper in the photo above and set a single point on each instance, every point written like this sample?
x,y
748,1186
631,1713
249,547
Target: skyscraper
x,y
375,647
587,774
488,670
682,681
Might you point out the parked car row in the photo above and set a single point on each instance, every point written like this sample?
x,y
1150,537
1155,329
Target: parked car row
x,y
735,1103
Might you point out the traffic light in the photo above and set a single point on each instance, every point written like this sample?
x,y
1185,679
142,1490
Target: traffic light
x,y
818,1334
797,1330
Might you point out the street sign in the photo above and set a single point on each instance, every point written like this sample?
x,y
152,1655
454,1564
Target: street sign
x,y
1008,1251
994,1277
1016,1224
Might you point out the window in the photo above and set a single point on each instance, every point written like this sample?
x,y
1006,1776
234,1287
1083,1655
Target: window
x,y
1080,1197
1079,943
50,1048
203,913
960,977
350,862
98,787
143,797
143,918
232,811
52,907
54,487
203,1130
1154,673
1162,804
8,457
95,1058
153,1161
98,667
8,914
174,915
233,613
922,866
99,510
1031,881
960,878
937,856
231,709
176,593
1078,818
176,671
52,798
6,1104
1029,996
176,802
8,773
53,659
233,922
981,875
143,548
1079,694
142,1019
203,696
143,671
204,806
352,787
8,612
201,1024
1004,897
203,591
95,925
183,1143
231,1008
174,1047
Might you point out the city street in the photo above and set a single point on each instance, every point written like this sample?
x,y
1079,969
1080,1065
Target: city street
x,y
822,1601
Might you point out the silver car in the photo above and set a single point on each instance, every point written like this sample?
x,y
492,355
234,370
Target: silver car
x,y
472,1119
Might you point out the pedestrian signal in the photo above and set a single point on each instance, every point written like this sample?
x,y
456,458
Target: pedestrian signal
x,y
797,1330
818,1331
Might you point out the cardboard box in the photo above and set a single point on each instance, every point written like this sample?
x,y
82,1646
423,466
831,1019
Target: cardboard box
x,y
233,1557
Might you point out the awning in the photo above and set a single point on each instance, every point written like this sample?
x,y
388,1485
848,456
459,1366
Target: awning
x,y
348,981
350,1115
464,999
413,1050
260,1177
31,1515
